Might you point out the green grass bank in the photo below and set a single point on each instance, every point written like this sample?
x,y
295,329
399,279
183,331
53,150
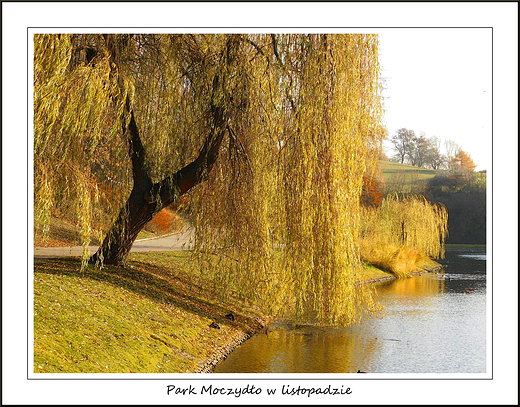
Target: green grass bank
x,y
150,317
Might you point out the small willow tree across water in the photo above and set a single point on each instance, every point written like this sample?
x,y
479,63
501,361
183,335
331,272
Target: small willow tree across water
x,y
402,232
276,131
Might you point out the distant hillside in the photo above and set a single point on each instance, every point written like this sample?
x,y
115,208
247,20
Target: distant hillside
x,y
466,203
405,178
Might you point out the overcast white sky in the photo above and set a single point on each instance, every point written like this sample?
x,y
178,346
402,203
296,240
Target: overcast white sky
x,y
438,81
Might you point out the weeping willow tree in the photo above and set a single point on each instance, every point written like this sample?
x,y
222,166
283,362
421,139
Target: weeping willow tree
x,y
404,231
274,131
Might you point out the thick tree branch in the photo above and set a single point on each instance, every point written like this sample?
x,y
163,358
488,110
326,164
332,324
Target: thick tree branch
x,y
147,198
136,152
114,45
169,189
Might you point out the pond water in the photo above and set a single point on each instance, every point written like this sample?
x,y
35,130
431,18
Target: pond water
x,y
431,323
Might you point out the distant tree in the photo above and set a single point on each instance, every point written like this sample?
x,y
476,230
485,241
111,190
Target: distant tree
x,y
462,160
419,151
451,148
434,158
462,166
403,142
435,142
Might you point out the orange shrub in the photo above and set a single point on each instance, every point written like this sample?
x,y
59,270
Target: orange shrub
x,y
165,221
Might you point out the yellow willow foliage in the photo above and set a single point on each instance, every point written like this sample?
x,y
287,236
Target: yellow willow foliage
x,y
278,221
410,221
84,214
75,122
43,201
289,223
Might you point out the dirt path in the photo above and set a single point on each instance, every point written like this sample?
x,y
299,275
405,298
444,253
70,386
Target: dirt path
x,y
176,241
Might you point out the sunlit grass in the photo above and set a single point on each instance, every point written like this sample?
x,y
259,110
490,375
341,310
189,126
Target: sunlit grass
x,y
144,318
389,167
405,178
144,234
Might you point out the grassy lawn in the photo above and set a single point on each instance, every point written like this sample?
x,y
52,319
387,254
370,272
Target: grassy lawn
x,y
405,178
144,234
389,167
146,318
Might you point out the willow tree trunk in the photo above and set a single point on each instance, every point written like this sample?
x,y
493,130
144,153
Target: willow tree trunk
x,y
148,198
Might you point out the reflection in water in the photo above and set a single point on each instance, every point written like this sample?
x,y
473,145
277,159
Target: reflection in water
x,y
300,349
432,323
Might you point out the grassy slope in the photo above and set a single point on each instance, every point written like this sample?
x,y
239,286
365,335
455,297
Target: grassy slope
x,y
151,317
405,178
61,233
391,167
144,318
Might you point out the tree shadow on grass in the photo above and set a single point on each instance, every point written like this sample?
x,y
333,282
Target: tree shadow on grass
x,y
162,285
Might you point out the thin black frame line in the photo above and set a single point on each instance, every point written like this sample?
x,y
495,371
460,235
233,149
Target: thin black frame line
x,y
267,27
27,166
492,186
252,378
